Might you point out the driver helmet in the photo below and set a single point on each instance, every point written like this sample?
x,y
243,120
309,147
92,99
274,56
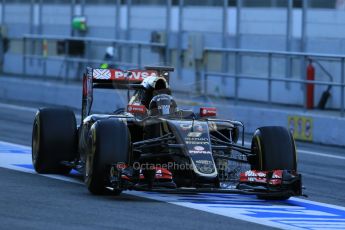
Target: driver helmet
x,y
162,104
153,86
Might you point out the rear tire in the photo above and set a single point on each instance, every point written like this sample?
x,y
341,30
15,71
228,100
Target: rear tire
x,y
275,149
109,143
54,139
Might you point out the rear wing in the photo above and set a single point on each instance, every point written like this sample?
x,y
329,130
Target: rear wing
x,y
116,79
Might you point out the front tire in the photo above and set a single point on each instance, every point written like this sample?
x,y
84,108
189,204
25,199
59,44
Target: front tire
x,y
274,148
54,139
109,143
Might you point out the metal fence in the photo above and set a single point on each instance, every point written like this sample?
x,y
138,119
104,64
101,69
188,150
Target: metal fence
x,y
231,31
32,52
122,27
269,77
234,66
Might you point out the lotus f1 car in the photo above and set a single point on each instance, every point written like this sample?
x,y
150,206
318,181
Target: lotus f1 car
x,y
153,145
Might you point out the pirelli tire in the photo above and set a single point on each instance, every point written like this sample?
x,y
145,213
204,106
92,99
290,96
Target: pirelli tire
x,y
109,143
54,140
274,148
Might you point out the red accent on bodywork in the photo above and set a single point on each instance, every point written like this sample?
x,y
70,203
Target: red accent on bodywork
x,y
208,112
137,109
277,177
274,177
84,85
163,173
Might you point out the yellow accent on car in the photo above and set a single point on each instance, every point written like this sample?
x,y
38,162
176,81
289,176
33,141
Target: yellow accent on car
x,y
260,151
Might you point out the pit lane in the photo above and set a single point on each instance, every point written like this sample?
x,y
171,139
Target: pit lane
x,y
42,200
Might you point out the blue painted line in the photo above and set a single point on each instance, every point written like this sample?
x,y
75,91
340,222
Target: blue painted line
x,y
30,166
263,213
16,149
222,202
227,202
27,166
337,212
280,212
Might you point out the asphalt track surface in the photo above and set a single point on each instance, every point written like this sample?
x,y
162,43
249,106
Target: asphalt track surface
x,y
34,202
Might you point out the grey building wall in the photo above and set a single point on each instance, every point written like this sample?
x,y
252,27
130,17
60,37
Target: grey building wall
x,y
261,29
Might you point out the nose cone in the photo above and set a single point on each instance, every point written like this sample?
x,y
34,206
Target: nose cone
x,y
196,139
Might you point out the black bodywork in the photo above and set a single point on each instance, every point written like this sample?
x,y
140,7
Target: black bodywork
x,y
213,148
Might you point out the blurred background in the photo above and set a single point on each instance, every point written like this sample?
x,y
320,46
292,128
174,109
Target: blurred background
x,y
283,54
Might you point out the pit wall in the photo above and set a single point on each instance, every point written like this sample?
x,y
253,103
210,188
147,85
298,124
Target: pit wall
x,y
325,129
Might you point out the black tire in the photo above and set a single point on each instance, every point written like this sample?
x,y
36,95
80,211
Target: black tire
x,y
109,143
54,139
274,148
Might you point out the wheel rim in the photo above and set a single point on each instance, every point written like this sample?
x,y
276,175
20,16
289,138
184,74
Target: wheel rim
x,y
90,158
35,142
88,168
257,150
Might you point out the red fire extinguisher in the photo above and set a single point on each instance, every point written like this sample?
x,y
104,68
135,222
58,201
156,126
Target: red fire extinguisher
x,y
310,86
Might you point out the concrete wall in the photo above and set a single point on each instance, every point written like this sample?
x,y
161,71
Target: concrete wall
x,y
327,129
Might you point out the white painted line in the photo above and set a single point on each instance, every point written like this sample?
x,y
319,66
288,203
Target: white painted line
x,y
312,153
25,108
321,154
52,176
18,107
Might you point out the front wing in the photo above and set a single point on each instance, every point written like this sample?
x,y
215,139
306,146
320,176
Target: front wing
x,y
276,183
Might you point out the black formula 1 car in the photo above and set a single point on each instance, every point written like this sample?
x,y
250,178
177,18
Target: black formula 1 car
x,y
153,145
